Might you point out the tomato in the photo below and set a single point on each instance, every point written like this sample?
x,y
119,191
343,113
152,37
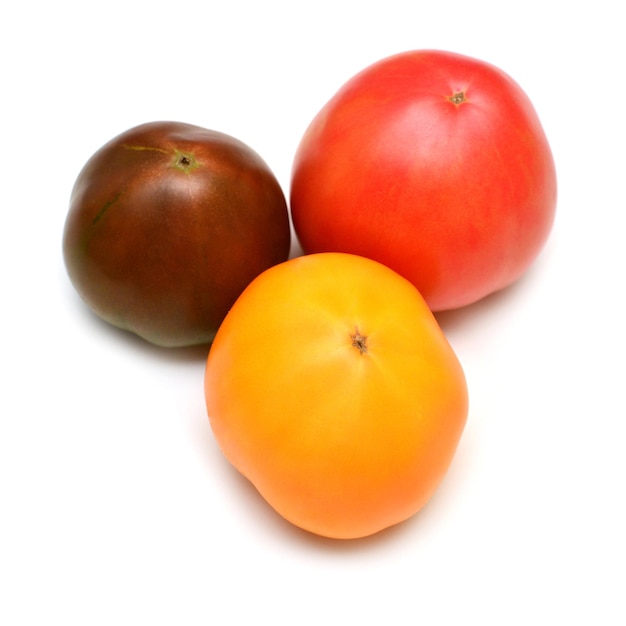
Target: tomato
x,y
168,222
331,387
435,164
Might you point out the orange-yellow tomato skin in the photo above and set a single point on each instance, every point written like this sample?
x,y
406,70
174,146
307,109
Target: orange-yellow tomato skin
x,y
331,387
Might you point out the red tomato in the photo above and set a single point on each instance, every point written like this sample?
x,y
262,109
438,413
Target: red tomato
x,y
434,164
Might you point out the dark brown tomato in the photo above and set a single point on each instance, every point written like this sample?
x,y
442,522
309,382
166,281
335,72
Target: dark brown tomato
x,y
167,224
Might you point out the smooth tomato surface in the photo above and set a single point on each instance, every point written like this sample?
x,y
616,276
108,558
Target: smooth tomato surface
x,y
435,164
331,387
168,222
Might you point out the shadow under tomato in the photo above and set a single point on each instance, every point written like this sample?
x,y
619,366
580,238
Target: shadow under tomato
x,y
494,304
456,318
129,340
490,306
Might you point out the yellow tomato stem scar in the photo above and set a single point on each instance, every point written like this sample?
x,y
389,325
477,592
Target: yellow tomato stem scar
x,y
359,341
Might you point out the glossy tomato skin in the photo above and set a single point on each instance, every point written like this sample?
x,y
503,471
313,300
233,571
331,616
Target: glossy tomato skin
x,y
332,388
168,223
435,164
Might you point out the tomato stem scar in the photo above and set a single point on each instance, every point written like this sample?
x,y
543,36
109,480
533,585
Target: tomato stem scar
x,y
185,161
458,98
359,341
182,161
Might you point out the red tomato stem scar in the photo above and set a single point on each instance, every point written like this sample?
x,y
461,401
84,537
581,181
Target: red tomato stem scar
x,y
458,98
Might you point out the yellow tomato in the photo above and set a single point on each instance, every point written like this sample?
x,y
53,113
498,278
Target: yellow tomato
x,y
331,387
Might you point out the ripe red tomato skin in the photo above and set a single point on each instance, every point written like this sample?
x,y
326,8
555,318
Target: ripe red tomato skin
x,y
458,198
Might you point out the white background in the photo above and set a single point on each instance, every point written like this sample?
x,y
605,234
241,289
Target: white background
x,y
116,504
